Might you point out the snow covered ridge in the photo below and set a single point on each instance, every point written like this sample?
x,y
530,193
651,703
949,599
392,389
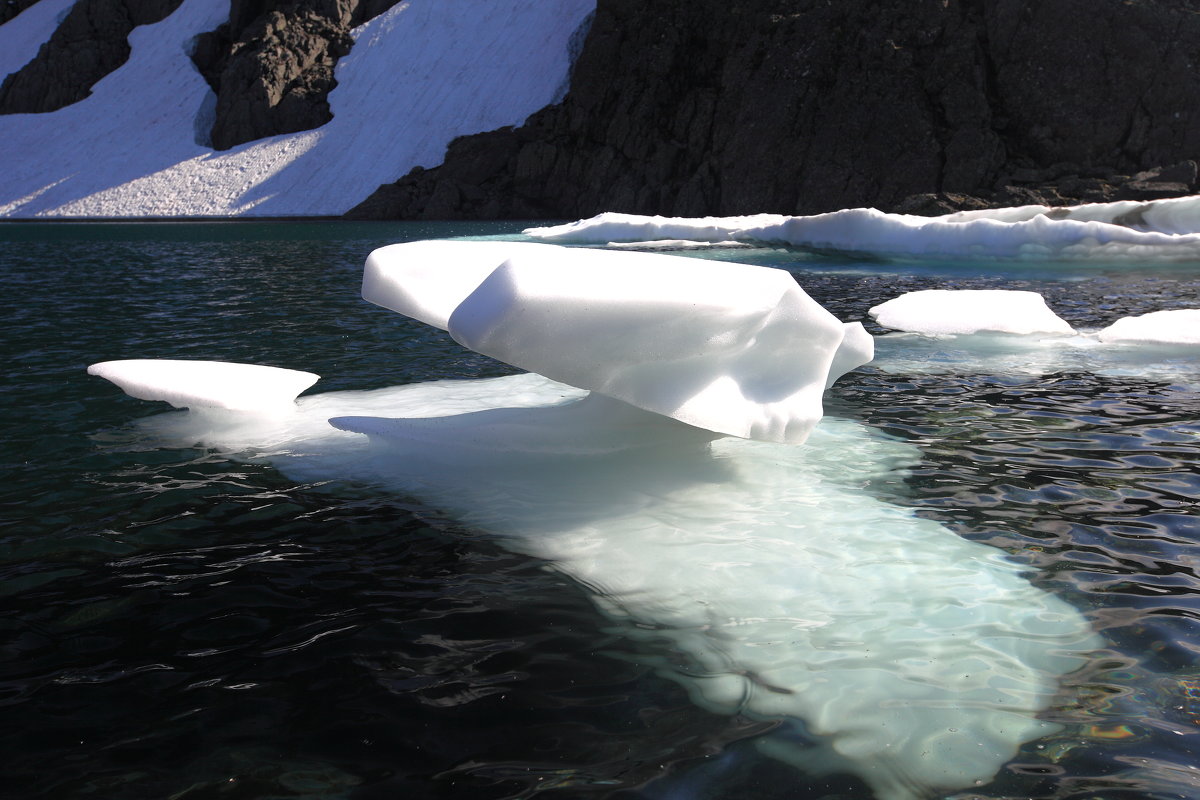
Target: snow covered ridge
x,y
1158,231
418,76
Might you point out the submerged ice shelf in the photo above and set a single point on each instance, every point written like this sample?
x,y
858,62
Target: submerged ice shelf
x,y
760,575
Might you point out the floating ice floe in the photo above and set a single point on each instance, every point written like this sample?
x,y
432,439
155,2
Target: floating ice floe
x,y
206,384
1172,327
761,576
954,311
1154,231
702,342
1013,332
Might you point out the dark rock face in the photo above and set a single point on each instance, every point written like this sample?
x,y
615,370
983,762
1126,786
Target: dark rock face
x,y
91,42
687,107
10,8
271,65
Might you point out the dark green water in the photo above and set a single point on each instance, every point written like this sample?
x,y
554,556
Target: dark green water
x,y
179,625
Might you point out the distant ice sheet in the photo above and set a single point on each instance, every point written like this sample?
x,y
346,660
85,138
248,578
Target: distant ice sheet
x,y
1155,231
418,76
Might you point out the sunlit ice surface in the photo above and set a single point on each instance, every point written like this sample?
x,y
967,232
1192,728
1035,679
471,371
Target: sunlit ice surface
x,y
766,578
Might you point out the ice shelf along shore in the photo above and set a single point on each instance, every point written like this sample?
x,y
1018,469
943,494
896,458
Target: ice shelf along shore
x,y
759,574
1125,232
418,75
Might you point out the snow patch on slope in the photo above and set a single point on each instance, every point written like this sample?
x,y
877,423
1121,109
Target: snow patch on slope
x,y
23,35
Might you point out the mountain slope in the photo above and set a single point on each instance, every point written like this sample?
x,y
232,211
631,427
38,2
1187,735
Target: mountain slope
x,y
694,107
417,76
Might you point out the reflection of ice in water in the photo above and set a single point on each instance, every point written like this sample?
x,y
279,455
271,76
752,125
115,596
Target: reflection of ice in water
x,y
763,577
1007,354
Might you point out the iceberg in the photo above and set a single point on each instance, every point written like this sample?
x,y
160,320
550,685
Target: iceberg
x,y
760,575
701,342
956,311
1158,231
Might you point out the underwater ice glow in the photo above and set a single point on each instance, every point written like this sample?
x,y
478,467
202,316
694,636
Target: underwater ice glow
x,y
760,575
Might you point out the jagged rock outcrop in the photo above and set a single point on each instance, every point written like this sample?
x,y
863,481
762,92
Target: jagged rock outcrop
x,y
1061,185
271,65
91,42
688,107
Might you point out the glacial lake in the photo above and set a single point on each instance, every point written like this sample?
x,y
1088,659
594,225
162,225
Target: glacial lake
x,y
181,622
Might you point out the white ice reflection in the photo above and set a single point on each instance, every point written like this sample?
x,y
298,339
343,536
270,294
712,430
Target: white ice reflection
x,y
766,578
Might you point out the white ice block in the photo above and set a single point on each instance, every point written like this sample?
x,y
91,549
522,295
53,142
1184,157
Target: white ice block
x,y
731,348
1176,326
955,311
206,384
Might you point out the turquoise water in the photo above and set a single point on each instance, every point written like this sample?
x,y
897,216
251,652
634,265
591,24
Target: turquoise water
x,y
179,624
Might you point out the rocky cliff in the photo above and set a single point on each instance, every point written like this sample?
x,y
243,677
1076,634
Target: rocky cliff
x,y
690,107
90,42
271,65
678,107
10,8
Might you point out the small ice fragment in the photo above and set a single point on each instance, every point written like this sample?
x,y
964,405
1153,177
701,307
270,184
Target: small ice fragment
x,y
206,384
1176,326
963,311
